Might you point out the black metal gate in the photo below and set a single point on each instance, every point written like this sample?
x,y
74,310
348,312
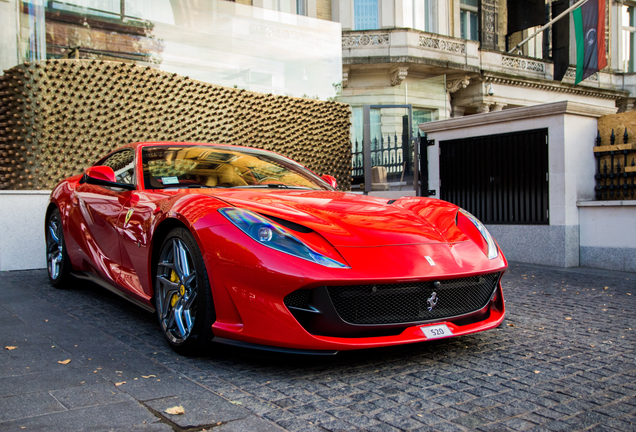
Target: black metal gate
x,y
501,179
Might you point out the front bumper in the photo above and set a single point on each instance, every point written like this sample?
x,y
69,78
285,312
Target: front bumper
x,y
354,311
250,284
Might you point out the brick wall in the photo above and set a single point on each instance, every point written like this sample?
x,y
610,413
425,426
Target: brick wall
x,y
323,9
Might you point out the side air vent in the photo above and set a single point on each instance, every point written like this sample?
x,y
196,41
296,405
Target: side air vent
x,y
298,299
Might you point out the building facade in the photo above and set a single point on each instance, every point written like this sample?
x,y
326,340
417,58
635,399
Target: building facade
x,y
416,51
220,42
445,58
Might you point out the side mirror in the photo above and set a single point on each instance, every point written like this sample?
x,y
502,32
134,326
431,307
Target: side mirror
x,y
101,173
331,180
104,176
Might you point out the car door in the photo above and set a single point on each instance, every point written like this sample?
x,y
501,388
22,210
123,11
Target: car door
x,y
99,209
134,227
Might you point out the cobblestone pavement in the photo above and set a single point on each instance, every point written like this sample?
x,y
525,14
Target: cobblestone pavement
x,y
563,360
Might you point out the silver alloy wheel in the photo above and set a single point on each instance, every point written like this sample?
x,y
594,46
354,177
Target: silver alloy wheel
x,y
54,248
176,291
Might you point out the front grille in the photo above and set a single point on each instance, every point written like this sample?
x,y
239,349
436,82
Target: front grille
x,y
409,302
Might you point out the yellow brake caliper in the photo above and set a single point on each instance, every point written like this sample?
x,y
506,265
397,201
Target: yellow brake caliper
x,y
175,297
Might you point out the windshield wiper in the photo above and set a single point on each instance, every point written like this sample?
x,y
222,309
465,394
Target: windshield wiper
x,y
188,186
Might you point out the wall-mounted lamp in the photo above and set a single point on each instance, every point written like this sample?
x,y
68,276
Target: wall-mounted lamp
x,y
491,91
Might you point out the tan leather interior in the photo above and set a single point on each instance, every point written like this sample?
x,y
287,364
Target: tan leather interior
x,y
226,175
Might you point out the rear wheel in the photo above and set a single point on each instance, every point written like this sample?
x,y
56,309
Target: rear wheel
x,y
182,294
57,260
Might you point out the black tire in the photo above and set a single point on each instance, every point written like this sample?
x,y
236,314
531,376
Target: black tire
x,y
57,260
183,298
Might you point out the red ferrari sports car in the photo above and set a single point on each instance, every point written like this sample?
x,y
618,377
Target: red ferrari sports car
x,y
246,247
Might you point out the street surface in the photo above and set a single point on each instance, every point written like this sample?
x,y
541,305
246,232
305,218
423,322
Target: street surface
x,y
564,360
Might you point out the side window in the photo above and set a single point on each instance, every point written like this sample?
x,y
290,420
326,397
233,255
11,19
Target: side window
x,y
469,20
123,163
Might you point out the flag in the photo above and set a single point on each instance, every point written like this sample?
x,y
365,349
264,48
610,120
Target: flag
x,y
589,27
525,14
560,40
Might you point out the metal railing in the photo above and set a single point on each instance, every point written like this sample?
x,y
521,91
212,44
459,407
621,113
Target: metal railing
x,y
615,168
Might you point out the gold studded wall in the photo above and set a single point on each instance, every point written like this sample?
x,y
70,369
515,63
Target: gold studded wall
x,y
59,116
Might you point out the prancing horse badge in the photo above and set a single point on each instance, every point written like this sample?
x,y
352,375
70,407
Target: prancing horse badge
x,y
128,215
432,301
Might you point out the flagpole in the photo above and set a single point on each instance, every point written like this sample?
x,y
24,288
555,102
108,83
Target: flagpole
x,y
561,15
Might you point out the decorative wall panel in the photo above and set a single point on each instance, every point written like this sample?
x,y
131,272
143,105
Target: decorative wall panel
x,y
59,116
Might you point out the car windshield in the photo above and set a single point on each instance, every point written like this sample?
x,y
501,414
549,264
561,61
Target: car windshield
x,y
197,166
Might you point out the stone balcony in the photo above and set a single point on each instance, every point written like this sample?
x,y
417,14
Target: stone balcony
x,y
428,52
470,73
437,54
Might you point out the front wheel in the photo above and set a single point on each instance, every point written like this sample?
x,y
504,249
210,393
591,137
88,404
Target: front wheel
x,y
57,260
182,294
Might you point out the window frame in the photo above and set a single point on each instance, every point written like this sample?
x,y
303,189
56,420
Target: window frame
x,y
468,9
132,165
628,39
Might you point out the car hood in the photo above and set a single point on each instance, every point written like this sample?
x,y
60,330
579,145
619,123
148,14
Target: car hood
x,y
352,220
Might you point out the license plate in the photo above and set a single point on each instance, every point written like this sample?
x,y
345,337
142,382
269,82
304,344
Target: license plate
x,y
436,331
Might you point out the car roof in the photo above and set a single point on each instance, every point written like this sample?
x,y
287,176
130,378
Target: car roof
x,y
171,143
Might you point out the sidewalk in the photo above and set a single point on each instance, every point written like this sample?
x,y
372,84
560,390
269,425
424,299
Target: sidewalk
x,y
108,384
82,359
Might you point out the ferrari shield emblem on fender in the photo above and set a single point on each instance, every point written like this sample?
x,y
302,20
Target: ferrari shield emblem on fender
x,y
430,260
128,215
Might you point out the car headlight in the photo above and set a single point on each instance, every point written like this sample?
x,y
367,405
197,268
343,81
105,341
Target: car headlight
x,y
493,252
266,233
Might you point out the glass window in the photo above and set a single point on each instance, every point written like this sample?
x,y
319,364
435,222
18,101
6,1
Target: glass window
x,y
201,166
107,8
421,115
430,16
301,7
33,31
123,163
356,127
424,15
152,10
375,128
365,14
629,38
214,41
468,19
